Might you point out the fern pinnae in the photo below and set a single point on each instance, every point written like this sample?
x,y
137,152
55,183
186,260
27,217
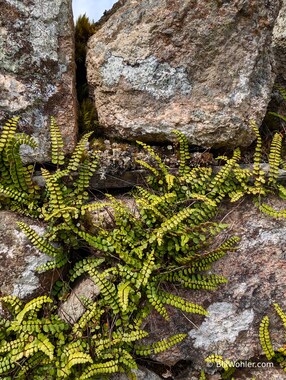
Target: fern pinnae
x,y
40,242
274,157
33,306
155,156
77,156
184,153
219,360
171,224
155,300
157,347
124,289
222,175
281,314
107,367
182,304
265,339
8,131
56,143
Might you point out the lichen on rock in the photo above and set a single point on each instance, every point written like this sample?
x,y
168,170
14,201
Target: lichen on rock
x,y
37,70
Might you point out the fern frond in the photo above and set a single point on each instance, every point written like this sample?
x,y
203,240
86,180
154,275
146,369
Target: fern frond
x,y
171,224
202,375
40,242
160,346
220,361
275,157
57,143
269,210
108,367
155,301
257,153
32,307
281,313
59,262
265,340
8,131
13,303
73,359
184,153
222,175
107,288
124,289
79,152
181,304
155,156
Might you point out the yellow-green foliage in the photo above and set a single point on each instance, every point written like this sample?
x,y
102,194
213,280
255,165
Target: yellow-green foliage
x,y
35,341
220,362
17,189
278,355
57,144
166,242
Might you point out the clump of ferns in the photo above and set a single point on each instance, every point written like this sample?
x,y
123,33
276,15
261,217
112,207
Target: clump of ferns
x,y
36,343
59,203
229,181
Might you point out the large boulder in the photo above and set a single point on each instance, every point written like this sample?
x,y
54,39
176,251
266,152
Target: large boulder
x,y
19,259
37,70
204,68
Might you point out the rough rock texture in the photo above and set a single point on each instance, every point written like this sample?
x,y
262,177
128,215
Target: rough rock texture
x,y
72,309
264,373
37,69
204,68
257,277
141,374
279,41
19,259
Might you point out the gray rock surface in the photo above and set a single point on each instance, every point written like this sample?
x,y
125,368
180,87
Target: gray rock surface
x,y
37,70
73,308
279,41
141,374
19,259
256,275
204,68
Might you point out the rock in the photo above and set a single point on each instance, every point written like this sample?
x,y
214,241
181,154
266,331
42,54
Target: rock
x,y
256,275
37,70
279,41
204,68
19,259
141,374
263,373
73,308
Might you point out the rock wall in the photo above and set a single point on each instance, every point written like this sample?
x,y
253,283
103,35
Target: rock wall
x,y
37,70
204,68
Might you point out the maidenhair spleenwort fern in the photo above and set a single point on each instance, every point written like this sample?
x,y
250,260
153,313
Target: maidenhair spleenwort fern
x,y
35,343
170,241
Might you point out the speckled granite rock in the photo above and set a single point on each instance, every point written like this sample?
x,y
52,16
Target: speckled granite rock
x,y
279,41
37,69
19,259
72,309
203,67
141,374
